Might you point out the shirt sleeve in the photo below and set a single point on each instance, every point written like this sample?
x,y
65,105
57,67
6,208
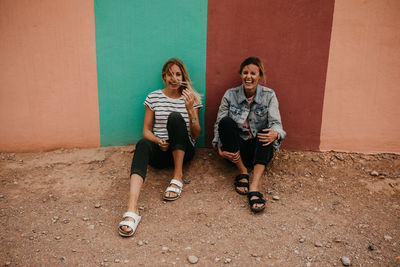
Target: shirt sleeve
x,y
274,120
199,106
149,102
222,112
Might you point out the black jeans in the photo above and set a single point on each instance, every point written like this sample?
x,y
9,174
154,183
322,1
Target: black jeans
x,y
147,152
252,150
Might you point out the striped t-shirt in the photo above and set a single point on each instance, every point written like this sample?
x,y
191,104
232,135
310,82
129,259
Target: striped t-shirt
x,y
162,106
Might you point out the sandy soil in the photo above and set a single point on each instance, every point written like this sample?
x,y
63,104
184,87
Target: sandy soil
x,y
62,208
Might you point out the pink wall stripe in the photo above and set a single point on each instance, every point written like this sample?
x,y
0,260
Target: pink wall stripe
x,y
48,79
361,109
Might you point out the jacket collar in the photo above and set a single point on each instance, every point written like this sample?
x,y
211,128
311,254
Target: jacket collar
x,y
257,98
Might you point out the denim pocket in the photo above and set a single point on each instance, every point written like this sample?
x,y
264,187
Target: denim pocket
x,y
235,111
261,111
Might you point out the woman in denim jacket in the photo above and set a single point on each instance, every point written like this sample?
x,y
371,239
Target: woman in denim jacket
x,y
248,129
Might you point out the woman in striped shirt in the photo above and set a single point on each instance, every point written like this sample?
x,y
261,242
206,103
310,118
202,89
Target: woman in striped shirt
x,y
170,127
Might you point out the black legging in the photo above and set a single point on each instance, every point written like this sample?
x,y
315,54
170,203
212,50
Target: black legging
x,y
148,152
252,151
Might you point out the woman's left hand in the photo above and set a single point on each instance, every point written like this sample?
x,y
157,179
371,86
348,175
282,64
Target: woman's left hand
x,y
188,98
267,136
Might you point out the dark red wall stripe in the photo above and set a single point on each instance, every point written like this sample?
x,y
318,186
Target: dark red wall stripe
x,y
292,38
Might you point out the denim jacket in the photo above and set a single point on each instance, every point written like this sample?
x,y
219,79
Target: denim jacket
x,y
263,113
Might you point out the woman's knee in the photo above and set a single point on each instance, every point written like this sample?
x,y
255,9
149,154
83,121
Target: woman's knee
x,y
143,144
175,119
227,122
175,116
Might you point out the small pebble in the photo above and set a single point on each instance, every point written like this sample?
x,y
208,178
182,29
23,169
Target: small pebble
x,y
275,198
254,255
91,227
8,263
193,259
85,219
58,237
318,244
31,238
146,242
98,205
371,247
374,173
388,237
164,250
140,243
345,261
228,260
302,239
117,261
62,259
217,259
1,196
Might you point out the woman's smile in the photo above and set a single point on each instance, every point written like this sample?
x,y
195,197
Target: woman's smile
x,y
250,76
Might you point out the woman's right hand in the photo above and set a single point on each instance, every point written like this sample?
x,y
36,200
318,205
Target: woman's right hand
x,y
163,144
233,157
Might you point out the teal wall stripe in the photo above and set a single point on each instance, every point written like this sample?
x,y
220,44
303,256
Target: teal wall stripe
x,y
133,41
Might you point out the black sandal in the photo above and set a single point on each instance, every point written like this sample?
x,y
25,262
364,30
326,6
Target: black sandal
x,y
259,200
242,184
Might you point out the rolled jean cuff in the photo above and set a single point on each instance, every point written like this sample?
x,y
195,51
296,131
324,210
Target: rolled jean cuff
x,y
262,162
140,173
179,146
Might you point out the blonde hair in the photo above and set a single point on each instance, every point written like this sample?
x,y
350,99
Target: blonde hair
x,y
186,79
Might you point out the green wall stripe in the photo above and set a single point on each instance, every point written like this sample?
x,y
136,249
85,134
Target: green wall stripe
x,y
133,41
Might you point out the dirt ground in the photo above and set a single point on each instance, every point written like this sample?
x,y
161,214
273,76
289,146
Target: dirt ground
x,y
62,208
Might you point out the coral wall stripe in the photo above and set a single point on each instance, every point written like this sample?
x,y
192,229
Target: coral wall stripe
x,y
292,38
361,110
134,39
48,79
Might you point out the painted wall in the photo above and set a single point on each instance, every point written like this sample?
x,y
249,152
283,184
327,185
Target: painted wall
x,y
48,79
134,39
75,73
292,39
361,108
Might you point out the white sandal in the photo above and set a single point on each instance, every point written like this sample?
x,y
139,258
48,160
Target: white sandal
x,y
176,190
131,224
